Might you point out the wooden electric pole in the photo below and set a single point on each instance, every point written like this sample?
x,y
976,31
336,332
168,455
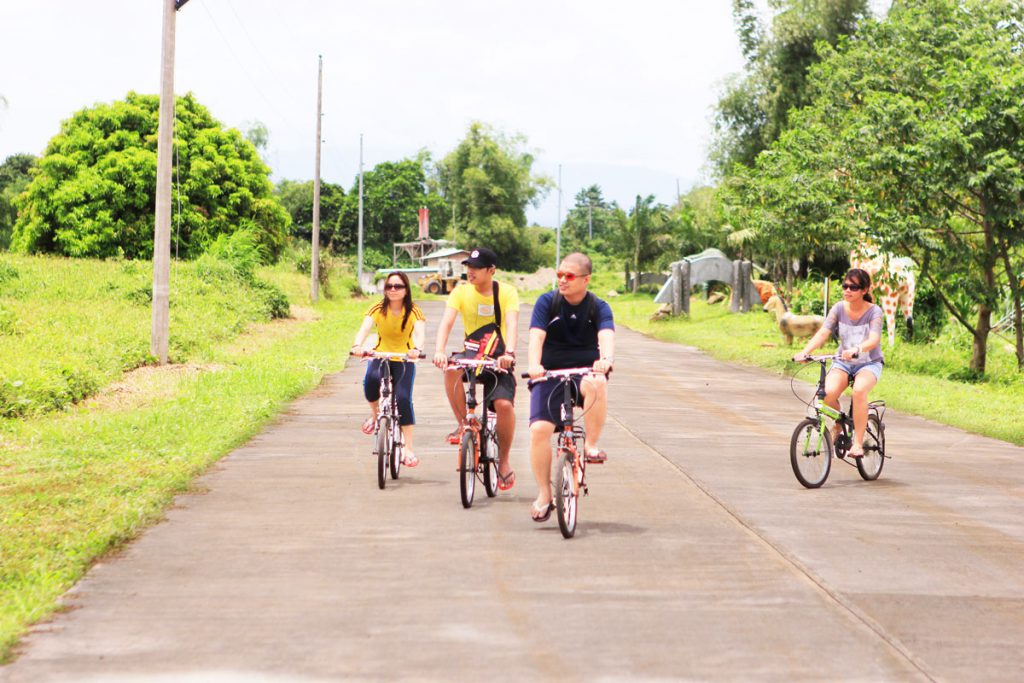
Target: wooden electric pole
x,y
360,228
162,220
315,263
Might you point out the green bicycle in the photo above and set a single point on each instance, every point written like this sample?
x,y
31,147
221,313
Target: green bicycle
x,y
812,446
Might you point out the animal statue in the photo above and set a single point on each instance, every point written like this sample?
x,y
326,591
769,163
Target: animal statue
x,y
765,290
894,283
792,325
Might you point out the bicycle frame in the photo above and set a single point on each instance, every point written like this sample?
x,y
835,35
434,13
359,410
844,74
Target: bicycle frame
x,y
387,414
824,411
471,422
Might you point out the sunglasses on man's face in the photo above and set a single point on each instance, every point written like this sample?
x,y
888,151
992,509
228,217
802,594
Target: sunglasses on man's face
x,y
568,277
396,286
852,288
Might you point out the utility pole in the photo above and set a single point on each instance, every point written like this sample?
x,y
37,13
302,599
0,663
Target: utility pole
x,y
679,197
360,212
558,225
314,269
590,218
160,334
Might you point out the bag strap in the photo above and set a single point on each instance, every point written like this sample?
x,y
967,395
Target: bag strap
x,y
497,305
556,307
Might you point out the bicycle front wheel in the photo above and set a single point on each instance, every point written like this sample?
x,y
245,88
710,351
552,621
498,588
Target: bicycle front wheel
x,y
382,448
810,453
396,449
489,461
566,494
467,468
870,464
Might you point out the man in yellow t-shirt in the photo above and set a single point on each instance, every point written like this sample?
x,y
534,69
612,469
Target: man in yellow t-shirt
x,y
474,301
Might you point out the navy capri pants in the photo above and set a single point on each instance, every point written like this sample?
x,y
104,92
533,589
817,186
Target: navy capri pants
x,y
402,377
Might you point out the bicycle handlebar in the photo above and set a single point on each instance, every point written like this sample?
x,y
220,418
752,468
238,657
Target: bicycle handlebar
x,y
566,372
395,356
823,358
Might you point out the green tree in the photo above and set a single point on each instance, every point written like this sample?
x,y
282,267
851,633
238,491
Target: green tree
x,y
296,196
487,181
754,109
589,221
14,178
92,194
393,191
914,139
643,235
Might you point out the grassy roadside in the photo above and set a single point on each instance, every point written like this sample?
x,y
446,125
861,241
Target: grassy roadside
x,y
920,379
78,483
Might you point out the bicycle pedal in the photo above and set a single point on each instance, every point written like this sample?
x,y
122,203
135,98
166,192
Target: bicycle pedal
x,y
586,491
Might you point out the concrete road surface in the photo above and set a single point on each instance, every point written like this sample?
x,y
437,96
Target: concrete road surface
x,y
698,555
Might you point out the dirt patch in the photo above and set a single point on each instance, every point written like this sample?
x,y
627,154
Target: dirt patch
x,y
145,384
542,279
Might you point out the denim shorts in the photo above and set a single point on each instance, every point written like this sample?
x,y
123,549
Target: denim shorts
x,y
851,370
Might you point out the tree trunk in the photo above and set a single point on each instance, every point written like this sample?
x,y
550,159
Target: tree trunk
x,y
1014,281
981,331
636,267
984,325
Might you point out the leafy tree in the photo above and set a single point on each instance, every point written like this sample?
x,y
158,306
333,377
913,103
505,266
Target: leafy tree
x,y
913,138
14,178
643,235
589,221
93,192
487,181
297,198
393,191
754,109
258,135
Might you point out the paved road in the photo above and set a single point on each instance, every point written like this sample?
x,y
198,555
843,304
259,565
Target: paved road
x,y
698,557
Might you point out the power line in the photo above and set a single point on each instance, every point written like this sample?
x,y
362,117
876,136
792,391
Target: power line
x,y
241,64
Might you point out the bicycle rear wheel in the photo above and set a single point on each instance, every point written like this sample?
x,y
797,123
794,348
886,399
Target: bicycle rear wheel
x,y
566,494
810,453
397,446
467,468
870,465
382,449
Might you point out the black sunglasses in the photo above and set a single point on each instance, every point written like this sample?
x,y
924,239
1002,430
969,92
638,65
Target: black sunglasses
x,y
394,286
852,288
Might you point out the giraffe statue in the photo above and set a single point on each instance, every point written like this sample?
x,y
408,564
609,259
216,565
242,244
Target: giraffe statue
x,y
894,281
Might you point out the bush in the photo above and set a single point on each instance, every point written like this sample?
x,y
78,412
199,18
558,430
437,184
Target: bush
x,y
275,302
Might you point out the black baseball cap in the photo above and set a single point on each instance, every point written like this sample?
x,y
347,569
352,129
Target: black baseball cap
x,y
481,257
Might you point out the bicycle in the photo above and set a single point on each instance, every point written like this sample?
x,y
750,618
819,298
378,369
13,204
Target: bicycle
x,y
478,438
811,448
571,468
388,442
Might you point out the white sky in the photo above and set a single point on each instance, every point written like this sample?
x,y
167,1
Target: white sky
x,y
618,93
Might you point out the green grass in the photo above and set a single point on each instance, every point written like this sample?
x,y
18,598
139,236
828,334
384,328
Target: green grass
x,y
922,379
79,482
71,326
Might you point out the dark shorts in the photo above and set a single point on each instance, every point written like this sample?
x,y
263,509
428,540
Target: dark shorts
x,y
546,400
495,386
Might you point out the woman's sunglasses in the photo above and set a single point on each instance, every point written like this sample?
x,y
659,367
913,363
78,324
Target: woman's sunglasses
x,y
852,288
568,277
397,286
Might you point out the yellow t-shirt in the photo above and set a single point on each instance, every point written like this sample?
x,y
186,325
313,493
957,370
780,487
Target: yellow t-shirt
x,y
391,336
477,310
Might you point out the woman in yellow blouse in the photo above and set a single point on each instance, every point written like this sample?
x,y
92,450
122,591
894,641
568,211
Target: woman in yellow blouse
x,y
400,327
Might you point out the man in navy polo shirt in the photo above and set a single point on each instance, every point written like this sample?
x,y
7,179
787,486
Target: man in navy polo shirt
x,y
570,328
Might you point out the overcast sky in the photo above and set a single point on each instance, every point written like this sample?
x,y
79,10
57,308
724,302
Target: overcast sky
x,y
618,93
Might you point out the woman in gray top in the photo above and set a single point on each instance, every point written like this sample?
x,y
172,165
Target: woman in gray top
x,y
857,322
